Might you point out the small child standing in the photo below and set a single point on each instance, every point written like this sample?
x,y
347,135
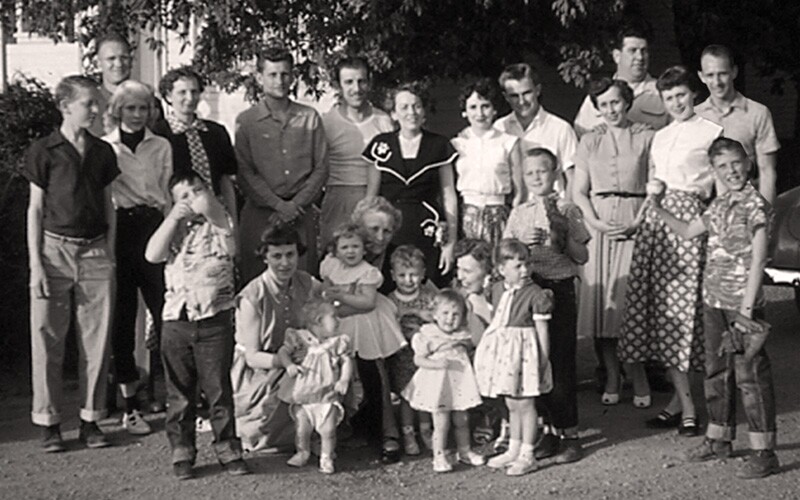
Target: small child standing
x,y
414,308
738,224
488,165
197,243
314,388
556,237
445,383
512,358
71,234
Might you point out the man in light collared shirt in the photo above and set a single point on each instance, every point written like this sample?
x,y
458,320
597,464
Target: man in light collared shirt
x,y
631,56
741,118
536,127
283,163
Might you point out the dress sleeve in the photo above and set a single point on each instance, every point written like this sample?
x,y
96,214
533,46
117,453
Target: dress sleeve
x,y
377,150
371,276
542,304
419,345
328,266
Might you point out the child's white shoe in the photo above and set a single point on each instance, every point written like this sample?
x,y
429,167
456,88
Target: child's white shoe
x,y
502,461
299,459
524,464
326,464
441,463
469,457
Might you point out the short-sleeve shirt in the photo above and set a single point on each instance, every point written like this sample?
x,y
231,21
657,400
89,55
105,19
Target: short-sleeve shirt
x,y
746,121
732,220
680,155
619,166
346,142
198,274
145,172
647,107
74,199
555,215
545,131
484,166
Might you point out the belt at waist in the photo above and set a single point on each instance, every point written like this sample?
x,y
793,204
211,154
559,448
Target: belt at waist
x,y
74,241
619,194
138,211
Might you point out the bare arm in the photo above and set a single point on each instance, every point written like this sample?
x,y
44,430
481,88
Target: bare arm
x,y
543,337
248,323
686,230
346,376
755,274
447,180
373,181
767,175
516,175
158,246
38,281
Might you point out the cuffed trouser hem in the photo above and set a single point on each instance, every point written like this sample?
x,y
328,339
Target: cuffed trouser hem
x,y
761,440
45,419
183,454
92,415
720,432
228,451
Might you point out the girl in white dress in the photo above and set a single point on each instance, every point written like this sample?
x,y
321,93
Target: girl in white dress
x,y
445,383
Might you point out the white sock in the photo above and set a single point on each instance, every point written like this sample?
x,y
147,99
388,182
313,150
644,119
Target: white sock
x,y
514,446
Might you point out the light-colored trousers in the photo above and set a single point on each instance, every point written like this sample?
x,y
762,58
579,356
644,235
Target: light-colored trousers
x,y
80,276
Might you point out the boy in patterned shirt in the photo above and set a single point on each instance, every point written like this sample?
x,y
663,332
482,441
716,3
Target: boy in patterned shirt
x,y
738,225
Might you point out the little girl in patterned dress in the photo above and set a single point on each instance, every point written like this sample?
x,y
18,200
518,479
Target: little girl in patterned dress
x,y
414,308
314,388
445,382
512,357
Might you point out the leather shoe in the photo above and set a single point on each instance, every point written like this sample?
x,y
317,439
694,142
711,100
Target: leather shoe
x,y
664,420
546,447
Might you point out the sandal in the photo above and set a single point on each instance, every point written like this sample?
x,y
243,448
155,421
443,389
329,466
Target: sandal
x,y
390,453
664,420
688,427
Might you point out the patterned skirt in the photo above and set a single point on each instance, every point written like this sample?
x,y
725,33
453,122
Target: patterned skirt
x,y
663,319
484,223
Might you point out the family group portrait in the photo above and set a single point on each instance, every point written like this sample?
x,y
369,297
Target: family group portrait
x,y
407,248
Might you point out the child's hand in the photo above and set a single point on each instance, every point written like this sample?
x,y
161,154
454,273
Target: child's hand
x,y
294,370
180,211
341,386
201,204
655,190
539,236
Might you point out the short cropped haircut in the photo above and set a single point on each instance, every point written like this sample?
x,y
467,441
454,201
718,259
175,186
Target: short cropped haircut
x,y
112,37
167,82
632,30
67,88
279,235
408,256
377,204
188,176
510,248
346,230
485,88
129,89
722,144
349,62
274,53
519,71
600,86
315,309
721,51
416,87
543,152
450,296
674,77
479,250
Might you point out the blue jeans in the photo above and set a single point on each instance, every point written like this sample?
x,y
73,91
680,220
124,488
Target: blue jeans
x,y
727,371
199,353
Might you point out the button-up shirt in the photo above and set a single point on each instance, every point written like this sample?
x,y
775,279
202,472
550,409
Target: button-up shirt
x,y
547,260
647,107
74,200
545,131
484,166
746,121
281,159
198,274
732,220
145,173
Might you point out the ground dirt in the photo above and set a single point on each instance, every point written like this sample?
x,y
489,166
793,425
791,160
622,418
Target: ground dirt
x,y
623,458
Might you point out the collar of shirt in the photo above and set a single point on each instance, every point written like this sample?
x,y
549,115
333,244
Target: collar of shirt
x,y
742,194
468,133
648,85
739,101
534,200
537,121
513,288
179,127
266,112
115,137
56,139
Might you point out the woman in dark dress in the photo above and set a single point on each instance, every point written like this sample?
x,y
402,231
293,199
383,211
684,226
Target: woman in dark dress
x,y
414,171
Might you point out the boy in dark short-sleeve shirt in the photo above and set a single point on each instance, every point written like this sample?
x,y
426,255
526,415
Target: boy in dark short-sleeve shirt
x,y
71,230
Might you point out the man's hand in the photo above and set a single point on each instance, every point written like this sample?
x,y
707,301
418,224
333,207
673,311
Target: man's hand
x,y
38,284
446,258
289,211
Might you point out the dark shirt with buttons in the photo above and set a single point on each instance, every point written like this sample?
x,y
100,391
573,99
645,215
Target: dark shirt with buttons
x,y
74,200
281,158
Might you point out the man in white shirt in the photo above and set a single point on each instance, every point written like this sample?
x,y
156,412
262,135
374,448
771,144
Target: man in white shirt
x,y
741,118
535,126
631,56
